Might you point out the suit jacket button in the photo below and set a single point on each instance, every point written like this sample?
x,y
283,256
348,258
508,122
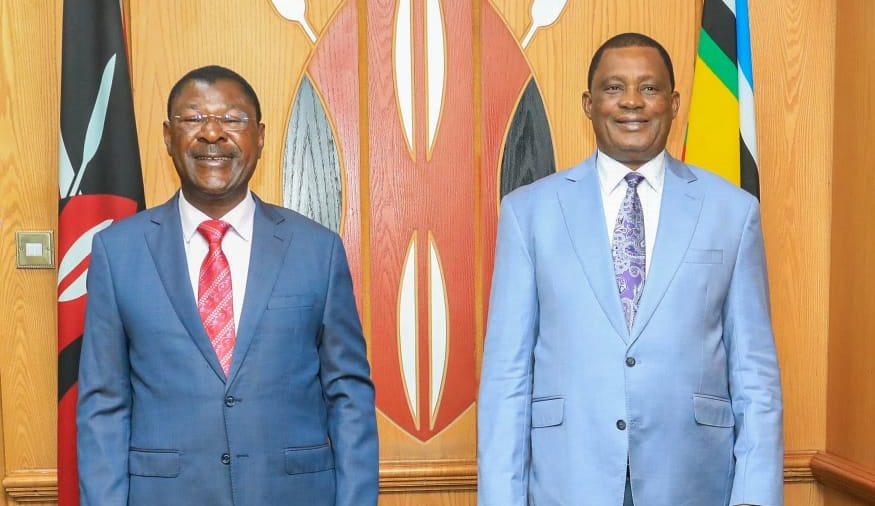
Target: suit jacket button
x,y
630,361
226,459
230,401
621,424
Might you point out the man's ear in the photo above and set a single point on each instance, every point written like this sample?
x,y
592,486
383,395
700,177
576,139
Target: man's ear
x,y
260,138
586,101
166,130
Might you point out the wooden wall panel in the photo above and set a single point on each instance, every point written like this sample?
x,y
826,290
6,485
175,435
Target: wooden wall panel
x,y
832,497
852,321
29,89
170,38
2,449
792,48
802,494
851,379
793,45
560,54
429,498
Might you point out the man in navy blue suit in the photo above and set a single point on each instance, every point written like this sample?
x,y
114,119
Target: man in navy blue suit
x,y
281,410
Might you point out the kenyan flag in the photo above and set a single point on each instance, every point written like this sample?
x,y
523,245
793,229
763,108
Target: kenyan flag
x,y
99,182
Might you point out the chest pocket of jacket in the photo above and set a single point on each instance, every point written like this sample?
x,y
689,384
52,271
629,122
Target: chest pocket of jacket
x,y
303,301
704,256
292,313
548,412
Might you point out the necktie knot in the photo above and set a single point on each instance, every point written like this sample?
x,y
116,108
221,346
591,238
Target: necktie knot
x,y
633,179
213,231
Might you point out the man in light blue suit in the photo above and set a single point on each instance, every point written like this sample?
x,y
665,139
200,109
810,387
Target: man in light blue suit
x,y
600,389
281,411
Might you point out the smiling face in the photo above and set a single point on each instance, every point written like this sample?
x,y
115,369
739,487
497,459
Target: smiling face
x,y
631,104
214,165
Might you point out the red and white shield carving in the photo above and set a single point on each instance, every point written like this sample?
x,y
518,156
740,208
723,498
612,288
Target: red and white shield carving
x,y
420,211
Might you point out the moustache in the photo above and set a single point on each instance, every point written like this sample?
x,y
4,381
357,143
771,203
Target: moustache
x,y
214,151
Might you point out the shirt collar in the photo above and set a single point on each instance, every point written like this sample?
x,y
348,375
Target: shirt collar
x,y
611,173
241,217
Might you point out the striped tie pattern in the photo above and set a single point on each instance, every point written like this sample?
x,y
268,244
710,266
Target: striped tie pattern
x,y
215,297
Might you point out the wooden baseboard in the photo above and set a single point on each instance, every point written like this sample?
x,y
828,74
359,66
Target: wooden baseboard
x,y
797,466
428,476
800,466
33,485
439,475
844,475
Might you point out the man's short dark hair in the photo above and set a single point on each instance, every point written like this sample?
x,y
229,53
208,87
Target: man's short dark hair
x,y
210,74
629,39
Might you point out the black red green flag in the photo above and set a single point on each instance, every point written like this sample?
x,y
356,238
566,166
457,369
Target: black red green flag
x,y
99,182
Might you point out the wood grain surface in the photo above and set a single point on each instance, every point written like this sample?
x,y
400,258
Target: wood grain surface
x,y
813,74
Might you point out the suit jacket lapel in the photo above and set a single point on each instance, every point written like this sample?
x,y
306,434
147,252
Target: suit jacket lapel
x,y
678,216
582,208
271,237
168,253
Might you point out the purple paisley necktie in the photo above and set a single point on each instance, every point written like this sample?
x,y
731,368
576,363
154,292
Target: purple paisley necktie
x,y
628,248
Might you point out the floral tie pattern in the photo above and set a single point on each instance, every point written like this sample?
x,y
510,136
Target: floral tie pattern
x,y
628,248
215,296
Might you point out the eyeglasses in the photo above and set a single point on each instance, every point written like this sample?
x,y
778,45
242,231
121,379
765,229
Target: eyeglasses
x,y
230,121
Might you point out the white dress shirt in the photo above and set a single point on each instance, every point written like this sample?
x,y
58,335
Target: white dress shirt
x,y
613,188
237,245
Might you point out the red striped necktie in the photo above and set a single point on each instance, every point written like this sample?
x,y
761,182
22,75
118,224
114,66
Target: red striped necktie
x,y
215,299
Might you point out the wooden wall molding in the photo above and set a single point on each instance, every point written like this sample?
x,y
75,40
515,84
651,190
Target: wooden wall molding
x,y
422,476
459,475
41,485
428,476
844,475
800,466
33,485
797,466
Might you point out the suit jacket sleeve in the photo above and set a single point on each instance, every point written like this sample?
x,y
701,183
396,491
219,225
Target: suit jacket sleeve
x,y
104,405
504,404
754,381
348,390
